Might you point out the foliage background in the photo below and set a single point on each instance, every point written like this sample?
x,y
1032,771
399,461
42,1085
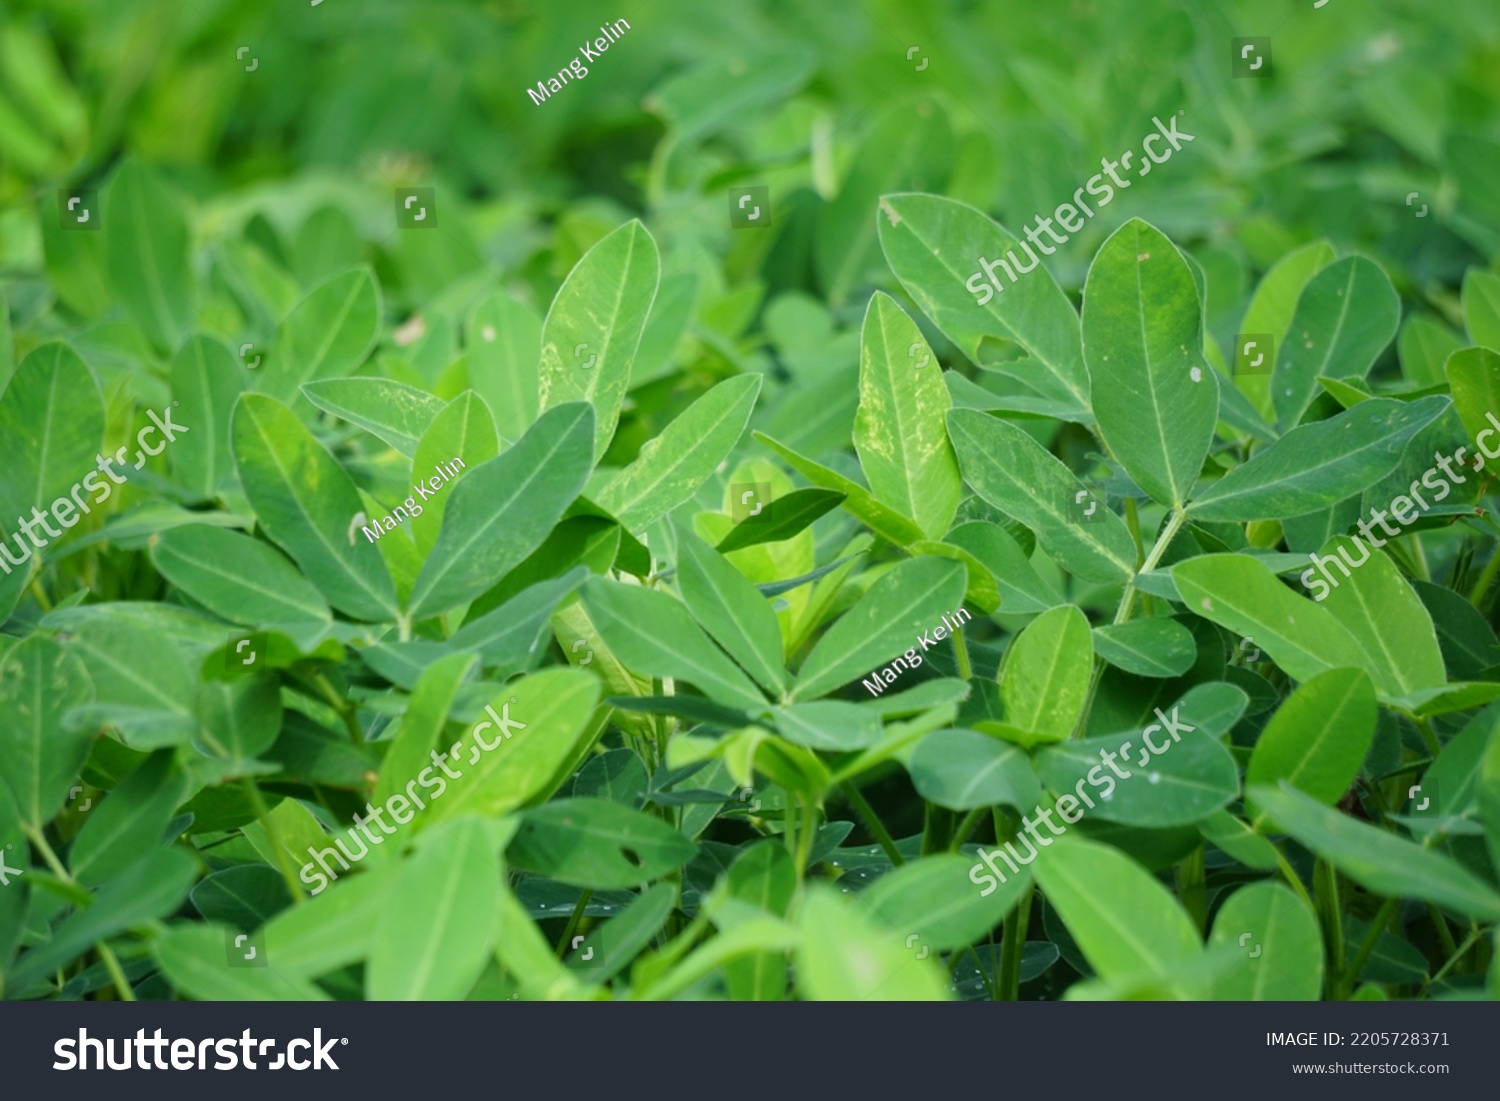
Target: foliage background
x,y
256,188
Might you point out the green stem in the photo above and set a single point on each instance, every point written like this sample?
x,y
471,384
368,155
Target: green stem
x,y
1453,958
1444,935
567,937
1326,891
1486,579
1013,946
1294,881
1356,965
116,972
35,585
346,711
872,821
966,827
1428,737
263,816
1190,887
961,654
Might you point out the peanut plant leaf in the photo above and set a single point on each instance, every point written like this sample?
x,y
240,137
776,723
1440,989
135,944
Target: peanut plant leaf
x,y
1239,593
1147,647
192,958
934,898
131,820
462,433
858,501
503,509
597,844
51,430
239,578
504,346
732,610
439,927
327,335
1318,465
1318,738
306,503
1386,617
1474,376
592,331
907,609
1376,860
844,956
1281,960
1272,307
1127,925
653,634
1346,316
39,756
206,380
899,431
937,246
1045,678
146,251
391,411
1481,306
672,467
1015,474
963,769
1155,396
787,516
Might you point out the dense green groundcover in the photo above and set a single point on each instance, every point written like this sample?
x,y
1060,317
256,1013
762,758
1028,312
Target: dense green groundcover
x,y
453,550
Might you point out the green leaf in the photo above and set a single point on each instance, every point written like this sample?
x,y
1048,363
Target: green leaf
x,y
614,945
1424,347
327,335
671,467
858,501
39,756
51,429
131,820
935,246
594,327
1474,375
148,889
783,518
844,956
1239,592
597,844
193,960
509,635
142,685
244,896
239,719
1017,475
934,898
964,769
504,347
1318,738
502,509
146,249
1345,317
305,502
829,724
1282,958
333,928
555,705
1021,588
898,430
1386,617
391,411
1147,647
206,380
438,928
1317,465
653,634
1044,682
239,578
1481,306
1376,860
423,724
1188,779
899,612
1271,307
1127,925
732,610
462,435
1155,396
